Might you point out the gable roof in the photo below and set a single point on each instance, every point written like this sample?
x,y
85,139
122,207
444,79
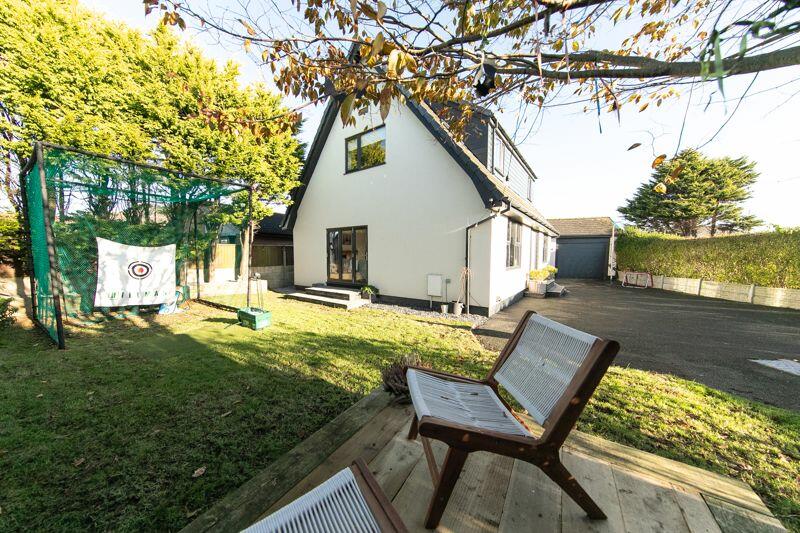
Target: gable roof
x,y
273,225
492,190
584,227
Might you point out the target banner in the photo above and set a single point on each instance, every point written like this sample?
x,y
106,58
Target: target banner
x,y
134,275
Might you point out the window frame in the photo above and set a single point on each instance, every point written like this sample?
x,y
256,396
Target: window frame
x,y
513,245
358,137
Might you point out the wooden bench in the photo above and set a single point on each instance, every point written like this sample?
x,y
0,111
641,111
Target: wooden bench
x,y
551,370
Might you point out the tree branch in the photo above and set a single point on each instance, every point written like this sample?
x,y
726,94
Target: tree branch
x,y
652,68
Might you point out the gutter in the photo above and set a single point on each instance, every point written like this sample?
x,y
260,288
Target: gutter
x,y
468,238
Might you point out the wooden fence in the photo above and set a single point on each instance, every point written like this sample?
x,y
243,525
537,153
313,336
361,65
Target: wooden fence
x,y
738,292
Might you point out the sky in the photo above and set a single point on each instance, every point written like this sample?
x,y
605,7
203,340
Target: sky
x,y
582,172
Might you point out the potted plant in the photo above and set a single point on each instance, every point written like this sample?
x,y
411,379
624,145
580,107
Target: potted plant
x,y
369,292
539,279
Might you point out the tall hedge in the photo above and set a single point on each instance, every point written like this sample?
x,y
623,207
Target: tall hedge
x,y
765,259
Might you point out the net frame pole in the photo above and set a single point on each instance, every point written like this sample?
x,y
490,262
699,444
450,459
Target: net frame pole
x,y
26,230
249,238
196,255
56,287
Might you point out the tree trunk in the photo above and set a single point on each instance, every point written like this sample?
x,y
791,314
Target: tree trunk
x,y
714,219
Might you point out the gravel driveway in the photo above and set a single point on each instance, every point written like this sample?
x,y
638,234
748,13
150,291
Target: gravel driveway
x,y
704,339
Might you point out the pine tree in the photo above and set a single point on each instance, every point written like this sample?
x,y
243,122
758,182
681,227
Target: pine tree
x,y
700,191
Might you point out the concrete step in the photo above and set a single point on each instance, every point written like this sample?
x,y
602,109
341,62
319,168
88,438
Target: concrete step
x,y
331,292
326,300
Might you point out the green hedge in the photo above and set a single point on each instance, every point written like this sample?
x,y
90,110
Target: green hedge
x,y
765,259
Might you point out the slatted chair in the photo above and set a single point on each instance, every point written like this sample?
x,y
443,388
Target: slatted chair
x,y
550,369
349,502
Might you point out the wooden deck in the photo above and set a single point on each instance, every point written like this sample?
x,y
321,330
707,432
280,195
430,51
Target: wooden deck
x,y
639,492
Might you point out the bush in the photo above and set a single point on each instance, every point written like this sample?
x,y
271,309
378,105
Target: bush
x,y
765,259
10,249
6,313
542,274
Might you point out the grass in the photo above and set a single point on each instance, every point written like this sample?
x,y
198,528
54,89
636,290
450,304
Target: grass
x,y
689,422
109,434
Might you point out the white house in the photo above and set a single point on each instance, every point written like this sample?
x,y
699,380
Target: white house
x,y
388,204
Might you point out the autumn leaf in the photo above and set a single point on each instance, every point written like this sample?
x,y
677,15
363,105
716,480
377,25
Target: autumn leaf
x,y
660,188
385,107
634,145
393,63
250,31
199,472
78,462
410,62
674,174
575,46
377,44
347,107
386,101
658,160
381,11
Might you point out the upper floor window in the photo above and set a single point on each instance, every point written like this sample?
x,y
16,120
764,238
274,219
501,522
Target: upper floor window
x,y
500,157
513,244
365,150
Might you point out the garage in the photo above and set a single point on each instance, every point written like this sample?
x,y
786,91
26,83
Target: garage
x,y
584,247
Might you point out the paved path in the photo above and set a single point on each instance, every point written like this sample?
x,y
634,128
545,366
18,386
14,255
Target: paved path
x,y
703,339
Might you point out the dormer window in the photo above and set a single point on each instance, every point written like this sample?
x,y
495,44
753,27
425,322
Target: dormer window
x,y
500,157
365,150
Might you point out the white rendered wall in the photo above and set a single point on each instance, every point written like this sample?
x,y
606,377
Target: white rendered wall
x,y
416,208
507,282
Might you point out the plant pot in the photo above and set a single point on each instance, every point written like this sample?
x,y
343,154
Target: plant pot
x,y
537,288
444,308
368,296
254,318
458,307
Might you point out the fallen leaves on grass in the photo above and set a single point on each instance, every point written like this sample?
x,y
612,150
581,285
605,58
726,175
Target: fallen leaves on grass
x,y
199,472
78,462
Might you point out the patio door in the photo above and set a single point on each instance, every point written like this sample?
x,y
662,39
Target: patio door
x,y
347,255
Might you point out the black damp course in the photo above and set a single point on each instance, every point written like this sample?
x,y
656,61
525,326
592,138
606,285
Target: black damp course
x,y
38,160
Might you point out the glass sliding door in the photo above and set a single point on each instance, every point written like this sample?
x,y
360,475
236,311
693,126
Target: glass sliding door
x,y
347,255
360,255
334,254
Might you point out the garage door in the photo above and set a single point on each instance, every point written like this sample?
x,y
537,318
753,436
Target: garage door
x,y
582,257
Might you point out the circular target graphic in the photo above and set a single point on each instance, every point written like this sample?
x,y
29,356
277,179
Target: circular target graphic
x,y
139,269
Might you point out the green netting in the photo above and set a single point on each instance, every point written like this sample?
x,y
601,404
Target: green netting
x,y
92,196
45,311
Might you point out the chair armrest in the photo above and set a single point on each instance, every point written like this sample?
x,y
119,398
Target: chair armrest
x,y
477,439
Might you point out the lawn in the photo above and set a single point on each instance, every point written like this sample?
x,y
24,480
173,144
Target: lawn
x,y
142,428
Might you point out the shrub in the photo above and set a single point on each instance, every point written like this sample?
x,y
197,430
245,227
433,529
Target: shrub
x,y
10,249
6,313
765,259
543,273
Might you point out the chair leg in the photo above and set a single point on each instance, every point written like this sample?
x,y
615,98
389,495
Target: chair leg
x,y
453,463
413,430
562,477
